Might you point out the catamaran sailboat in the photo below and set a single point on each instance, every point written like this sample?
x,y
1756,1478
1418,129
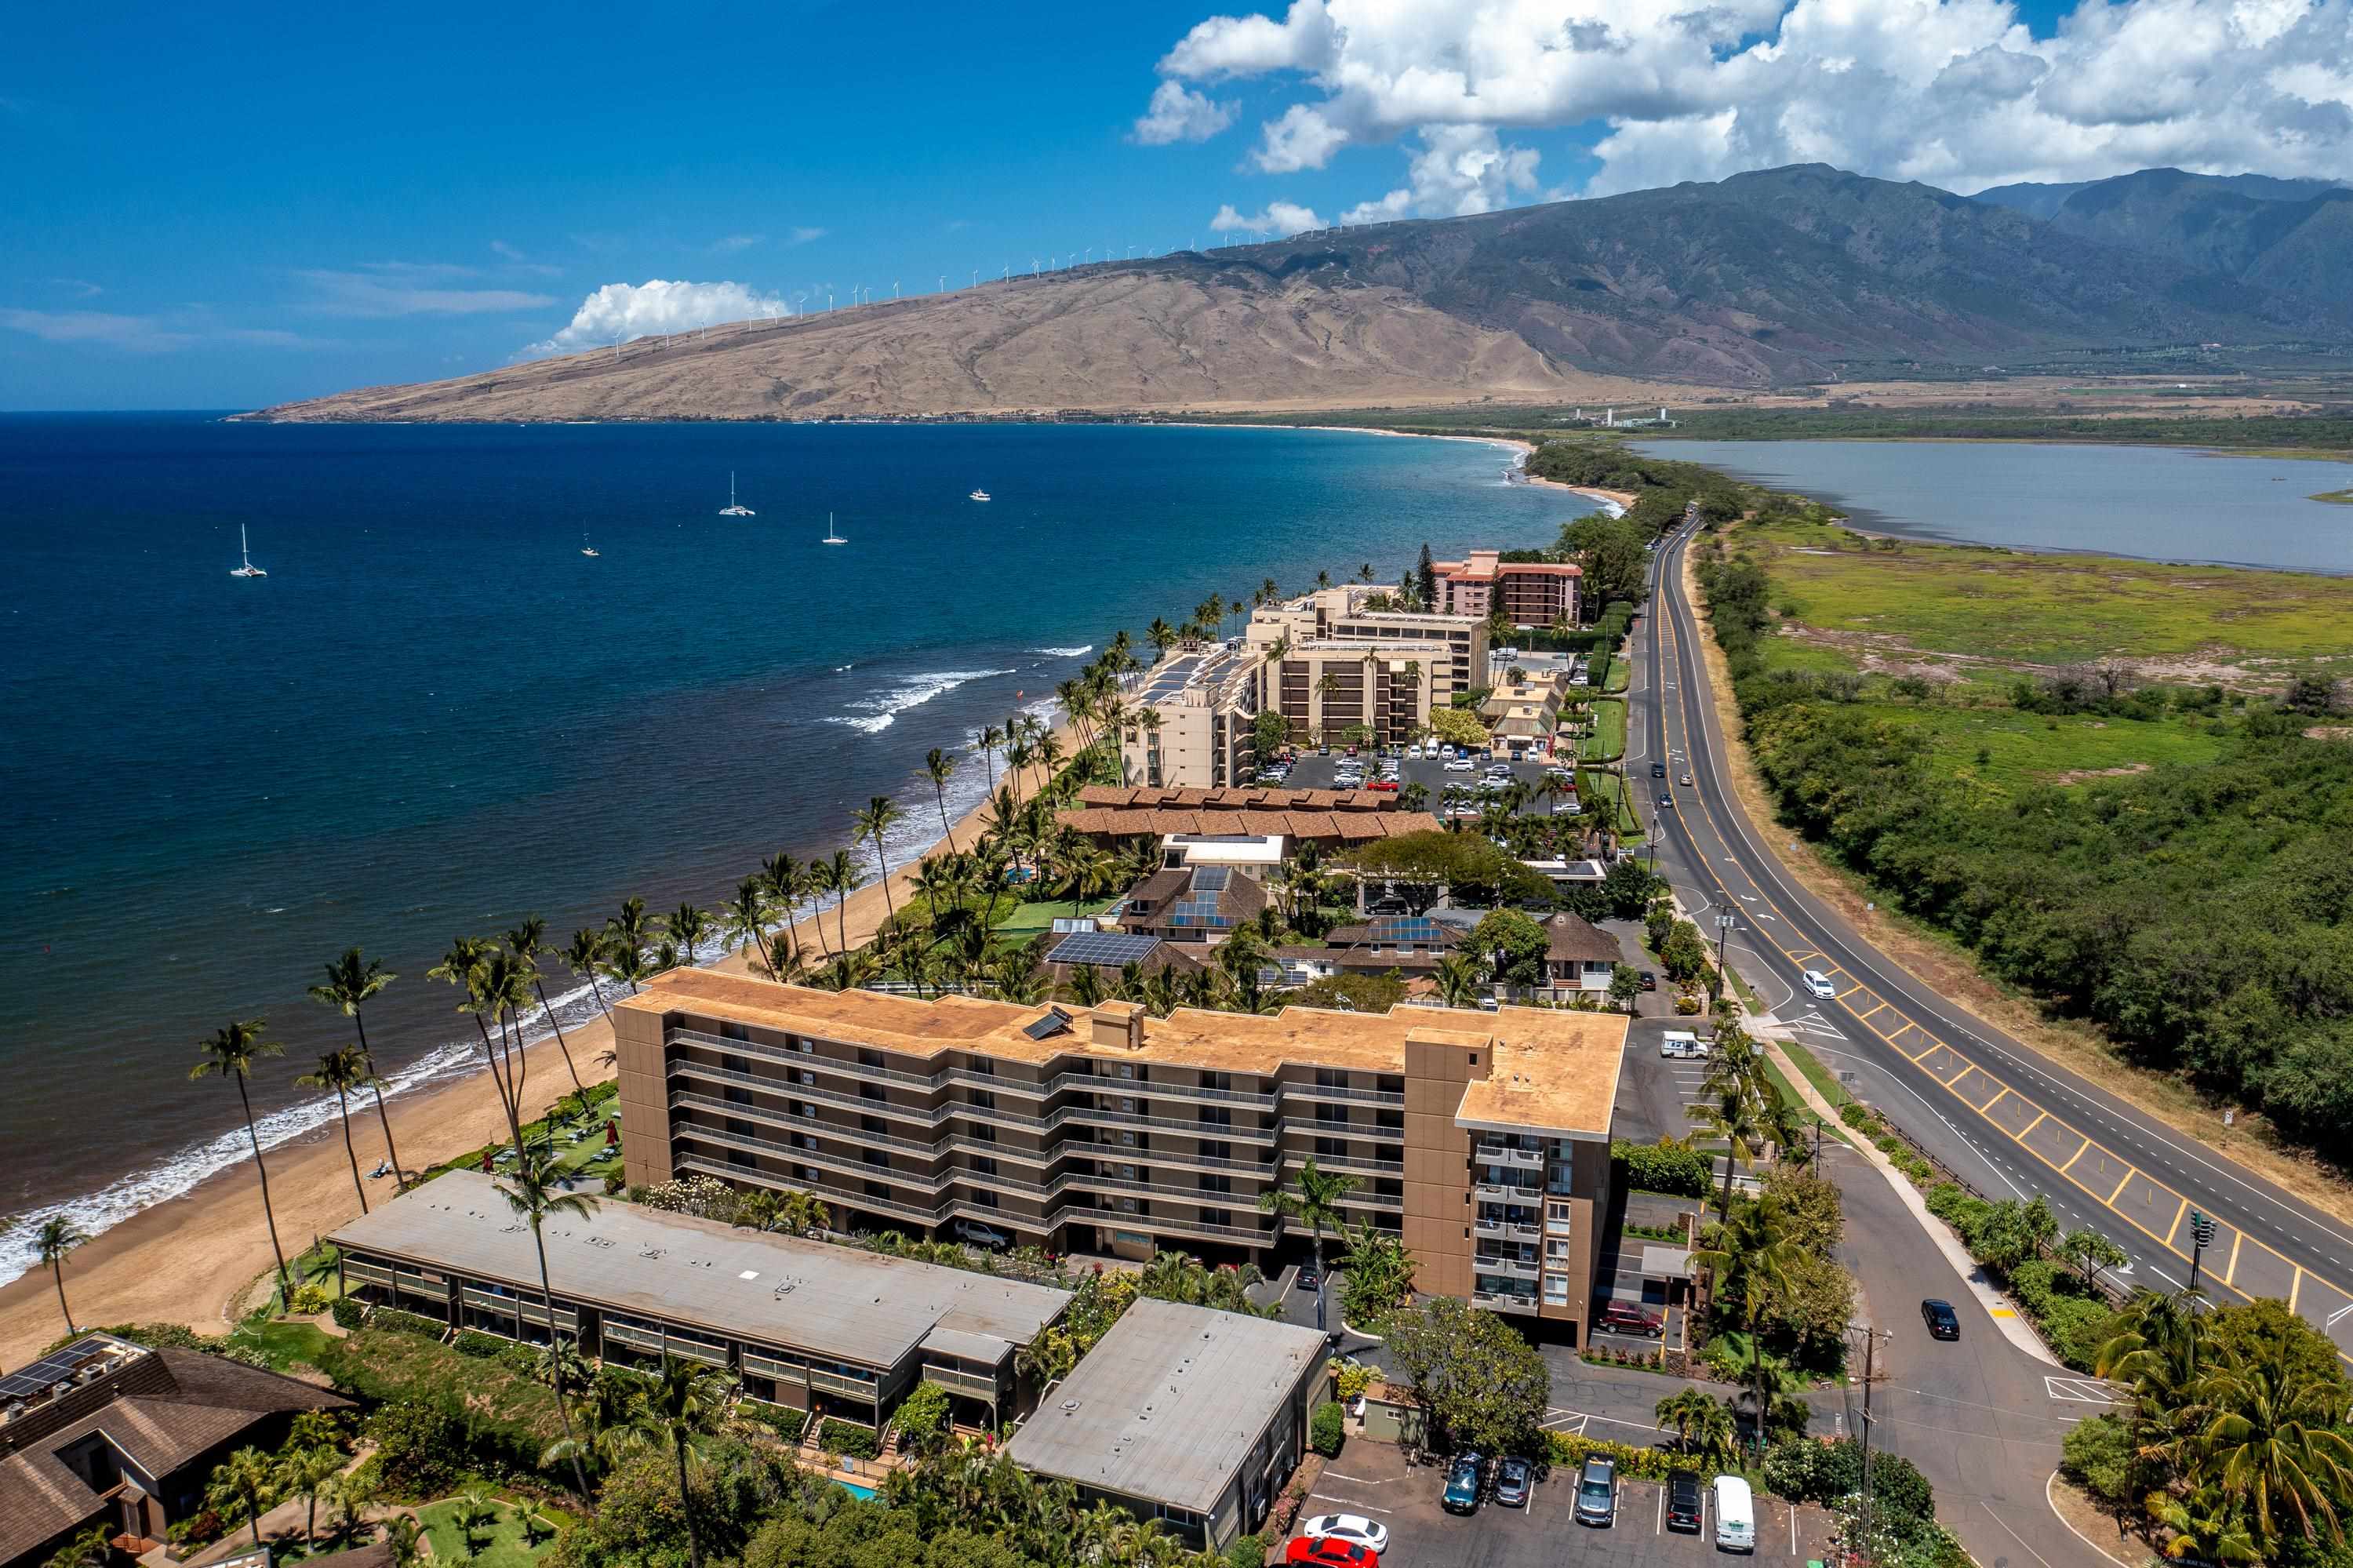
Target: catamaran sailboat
x,y
586,548
248,569
734,508
832,534
977,495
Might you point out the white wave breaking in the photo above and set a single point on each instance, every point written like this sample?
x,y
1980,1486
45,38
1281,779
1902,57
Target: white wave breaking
x,y
1078,652
873,714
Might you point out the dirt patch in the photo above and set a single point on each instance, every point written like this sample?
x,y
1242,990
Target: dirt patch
x,y
2118,1538
2079,775
2329,732
1936,962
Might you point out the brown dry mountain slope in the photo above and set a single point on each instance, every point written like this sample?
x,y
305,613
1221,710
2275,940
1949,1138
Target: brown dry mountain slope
x,y
1794,275
1148,337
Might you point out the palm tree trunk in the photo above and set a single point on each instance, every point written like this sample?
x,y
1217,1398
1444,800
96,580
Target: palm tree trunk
x,y
253,1517
285,1293
686,1509
559,1043
382,1114
57,1270
884,862
343,1109
599,992
941,790
555,1359
842,915
519,1068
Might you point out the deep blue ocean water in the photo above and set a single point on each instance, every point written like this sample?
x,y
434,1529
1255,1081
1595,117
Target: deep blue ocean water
x,y
435,715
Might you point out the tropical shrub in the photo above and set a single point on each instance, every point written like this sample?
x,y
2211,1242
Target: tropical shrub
x,y
1657,1168
348,1314
1327,1429
1246,1551
782,1419
837,1436
2097,1455
1567,1452
480,1346
417,1447
405,1322
924,1415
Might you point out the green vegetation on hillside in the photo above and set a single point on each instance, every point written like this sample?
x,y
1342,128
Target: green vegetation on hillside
x,y
2199,910
2309,435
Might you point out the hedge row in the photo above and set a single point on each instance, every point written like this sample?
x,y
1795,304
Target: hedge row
x,y
1642,1464
1678,1172
849,1438
401,1322
782,1419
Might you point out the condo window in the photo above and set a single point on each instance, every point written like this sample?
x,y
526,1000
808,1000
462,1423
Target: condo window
x,y
983,1164
875,1157
984,1098
867,1058
1216,1080
980,1132
1332,1147
982,1066
1217,1216
878,1190
1216,1183
1331,1078
735,1064
733,1031
1217,1149
871,1092
985,1198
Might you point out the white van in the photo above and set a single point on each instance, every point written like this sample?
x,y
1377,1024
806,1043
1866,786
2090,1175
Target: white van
x,y
1736,1515
1680,1043
1819,984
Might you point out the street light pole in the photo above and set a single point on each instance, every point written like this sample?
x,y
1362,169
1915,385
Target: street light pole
x,y
1723,930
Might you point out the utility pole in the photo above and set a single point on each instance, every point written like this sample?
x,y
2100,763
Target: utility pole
x,y
1871,1338
1723,930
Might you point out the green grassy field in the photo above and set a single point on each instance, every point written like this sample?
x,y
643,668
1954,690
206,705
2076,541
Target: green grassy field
x,y
504,1545
2340,497
2021,749
2048,610
1609,739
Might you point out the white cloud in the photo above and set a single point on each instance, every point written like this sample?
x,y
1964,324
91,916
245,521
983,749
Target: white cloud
x,y
82,288
500,248
802,236
1461,169
1281,218
1955,92
639,310
400,289
1179,114
735,243
148,335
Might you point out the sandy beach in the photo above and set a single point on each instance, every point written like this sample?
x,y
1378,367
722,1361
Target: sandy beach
x,y
189,1260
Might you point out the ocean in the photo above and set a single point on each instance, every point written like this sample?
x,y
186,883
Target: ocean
x,y
435,715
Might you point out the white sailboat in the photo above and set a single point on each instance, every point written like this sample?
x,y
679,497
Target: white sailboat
x,y
734,508
586,548
832,534
977,495
248,569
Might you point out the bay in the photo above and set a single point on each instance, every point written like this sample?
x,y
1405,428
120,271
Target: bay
x,y
435,715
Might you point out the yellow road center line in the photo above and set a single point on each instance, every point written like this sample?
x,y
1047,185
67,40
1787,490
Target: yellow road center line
x,y
2238,1239
2074,1157
2040,1118
2111,1198
2295,1287
2175,1225
1987,1107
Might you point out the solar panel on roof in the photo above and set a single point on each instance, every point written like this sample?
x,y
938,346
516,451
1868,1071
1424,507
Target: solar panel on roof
x,y
1410,931
1113,948
1200,913
50,1371
1056,1021
1210,878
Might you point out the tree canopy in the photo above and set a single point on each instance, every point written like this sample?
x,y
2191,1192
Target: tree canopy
x,y
1481,1386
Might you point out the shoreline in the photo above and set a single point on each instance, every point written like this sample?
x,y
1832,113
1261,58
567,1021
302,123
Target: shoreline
x,y
190,1258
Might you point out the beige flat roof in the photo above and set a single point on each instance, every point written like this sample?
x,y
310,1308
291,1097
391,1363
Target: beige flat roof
x,y
1555,1071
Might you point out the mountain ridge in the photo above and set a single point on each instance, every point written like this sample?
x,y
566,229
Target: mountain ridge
x,y
1767,279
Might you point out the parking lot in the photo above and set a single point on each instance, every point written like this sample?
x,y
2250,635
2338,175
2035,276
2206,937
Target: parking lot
x,y
1373,1479
1315,772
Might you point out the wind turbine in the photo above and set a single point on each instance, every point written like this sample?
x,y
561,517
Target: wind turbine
x,y
1090,253
976,277
944,284
895,288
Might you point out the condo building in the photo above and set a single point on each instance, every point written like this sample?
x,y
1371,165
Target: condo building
x,y
1527,593
843,1333
1482,1139
1449,651
1202,704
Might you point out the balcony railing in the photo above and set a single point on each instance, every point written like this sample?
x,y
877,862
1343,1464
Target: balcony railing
x,y
1330,1092
973,1385
1343,1162
824,1382
956,1110
1509,1267
653,1342
1498,1301
940,1179
1519,1158
530,1309
946,1077
1505,1192
769,1367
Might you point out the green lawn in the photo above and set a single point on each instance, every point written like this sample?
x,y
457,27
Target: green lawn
x,y
284,1345
1824,1081
2023,749
503,1545
1028,919
1608,740
1603,786
2048,610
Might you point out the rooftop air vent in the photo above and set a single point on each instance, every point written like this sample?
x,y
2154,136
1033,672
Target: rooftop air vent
x,y
749,1274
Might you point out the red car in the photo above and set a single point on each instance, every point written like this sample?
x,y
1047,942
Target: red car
x,y
1332,1551
1618,1317
1389,784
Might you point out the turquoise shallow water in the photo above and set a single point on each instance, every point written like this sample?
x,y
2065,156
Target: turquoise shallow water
x,y
435,715
2165,504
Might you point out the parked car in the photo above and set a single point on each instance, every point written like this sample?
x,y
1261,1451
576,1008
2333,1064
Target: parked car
x,y
1514,1479
1353,1527
1683,1502
1446,749
979,1234
1332,1551
1682,1043
1462,1475
1597,1493
1736,1515
1459,765
1820,985
1309,1279
1649,981
1943,1323
1625,1317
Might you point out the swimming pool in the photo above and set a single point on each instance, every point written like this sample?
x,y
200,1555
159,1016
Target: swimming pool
x,y
854,1489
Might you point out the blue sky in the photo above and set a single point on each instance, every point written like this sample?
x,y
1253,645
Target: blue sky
x,y
227,206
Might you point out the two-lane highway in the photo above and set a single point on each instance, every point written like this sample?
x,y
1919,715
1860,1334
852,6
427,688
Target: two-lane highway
x,y
2013,1121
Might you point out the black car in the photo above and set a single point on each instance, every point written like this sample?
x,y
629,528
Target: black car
x,y
1649,981
1515,1477
1657,771
1943,1322
1666,802
1309,1279
1683,1502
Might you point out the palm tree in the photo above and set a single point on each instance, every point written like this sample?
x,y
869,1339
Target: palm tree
x,y
305,1472
679,1410
1458,977
743,923
880,815
351,981
687,926
788,885
1731,1116
942,767
2271,1446
533,1195
344,1071
1749,1260
528,941
57,1237
801,1213
2207,1528
246,1478
1316,1201
231,1054
1162,637
1702,1424
628,965
844,876
93,1547
990,738
585,956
